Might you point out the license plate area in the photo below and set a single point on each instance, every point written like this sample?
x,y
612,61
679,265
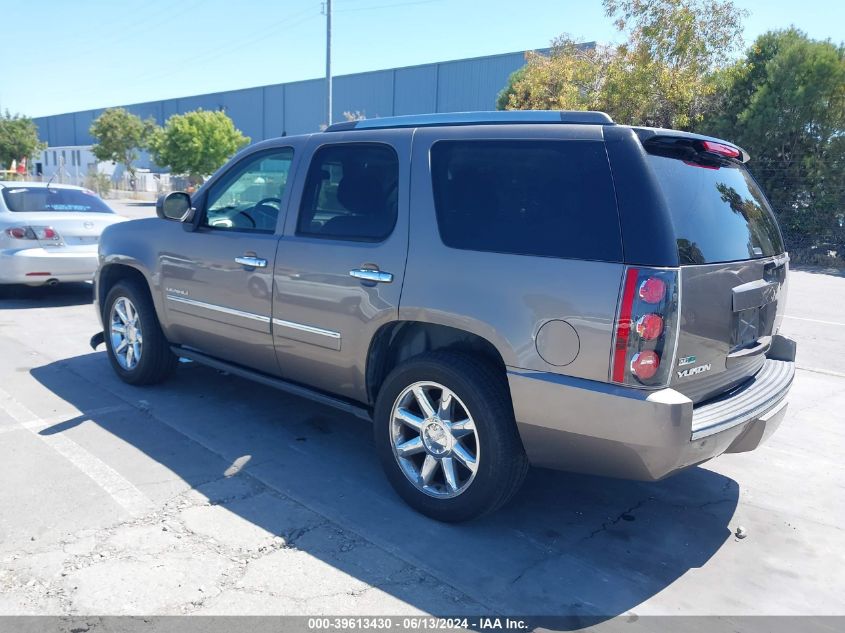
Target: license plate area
x,y
746,327
81,239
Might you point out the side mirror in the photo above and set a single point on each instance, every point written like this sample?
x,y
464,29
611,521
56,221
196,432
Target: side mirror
x,y
176,205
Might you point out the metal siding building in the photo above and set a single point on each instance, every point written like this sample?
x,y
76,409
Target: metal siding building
x,y
298,107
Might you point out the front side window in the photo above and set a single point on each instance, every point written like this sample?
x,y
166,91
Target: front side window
x,y
541,198
250,199
351,193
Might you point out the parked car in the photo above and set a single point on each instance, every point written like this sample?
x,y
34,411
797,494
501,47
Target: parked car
x,y
493,290
49,232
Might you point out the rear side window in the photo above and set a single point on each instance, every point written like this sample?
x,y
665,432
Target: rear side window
x,y
31,199
718,212
350,193
544,198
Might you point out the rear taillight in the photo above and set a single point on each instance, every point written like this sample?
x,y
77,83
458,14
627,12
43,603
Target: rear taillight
x,y
41,233
20,233
646,327
649,326
644,365
652,289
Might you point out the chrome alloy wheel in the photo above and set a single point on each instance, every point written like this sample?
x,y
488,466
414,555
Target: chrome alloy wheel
x,y
125,331
434,440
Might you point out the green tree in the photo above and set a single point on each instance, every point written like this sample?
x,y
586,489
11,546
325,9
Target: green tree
x,y
786,106
119,135
571,77
196,143
668,72
18,139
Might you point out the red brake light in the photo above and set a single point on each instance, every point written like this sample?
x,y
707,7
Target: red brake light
x,y
649,326
652,290
649,304
721,149
33,233
623,328
644,364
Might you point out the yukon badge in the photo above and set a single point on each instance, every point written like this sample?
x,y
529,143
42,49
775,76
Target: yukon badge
x,y
692,371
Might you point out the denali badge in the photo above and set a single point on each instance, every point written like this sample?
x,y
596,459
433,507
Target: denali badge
x,y
686,360
692,371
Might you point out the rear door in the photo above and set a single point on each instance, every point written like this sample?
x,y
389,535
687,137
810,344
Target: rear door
x,y
341,262
733,272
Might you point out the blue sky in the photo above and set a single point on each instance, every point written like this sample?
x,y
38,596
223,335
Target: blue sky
x,y
60,56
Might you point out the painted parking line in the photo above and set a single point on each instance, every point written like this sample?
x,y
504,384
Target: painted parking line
x,y
40,424
818,370
797,318
120,489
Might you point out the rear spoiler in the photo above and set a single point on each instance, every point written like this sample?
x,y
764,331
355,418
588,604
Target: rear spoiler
x,y
688,146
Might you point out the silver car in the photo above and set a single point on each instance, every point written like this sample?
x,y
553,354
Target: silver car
x,y
493,290
49,232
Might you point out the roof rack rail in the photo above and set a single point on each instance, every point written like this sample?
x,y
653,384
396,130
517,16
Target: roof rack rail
x,y
496,117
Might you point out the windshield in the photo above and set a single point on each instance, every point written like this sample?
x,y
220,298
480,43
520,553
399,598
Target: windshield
x,y
718,212
30,199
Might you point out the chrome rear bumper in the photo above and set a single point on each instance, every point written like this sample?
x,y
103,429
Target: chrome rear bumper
x,y
599,428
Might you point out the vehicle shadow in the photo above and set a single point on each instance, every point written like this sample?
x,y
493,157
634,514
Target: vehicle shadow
x,y
20,297
576,547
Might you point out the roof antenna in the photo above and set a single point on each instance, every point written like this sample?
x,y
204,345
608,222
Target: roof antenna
x,y
61,167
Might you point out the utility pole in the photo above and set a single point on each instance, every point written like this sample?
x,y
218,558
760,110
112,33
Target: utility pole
x,y
328,7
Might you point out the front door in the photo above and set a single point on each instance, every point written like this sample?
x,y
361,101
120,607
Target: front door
x,y
341,261
218,289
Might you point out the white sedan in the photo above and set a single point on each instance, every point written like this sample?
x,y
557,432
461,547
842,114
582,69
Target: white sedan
x,y
49,233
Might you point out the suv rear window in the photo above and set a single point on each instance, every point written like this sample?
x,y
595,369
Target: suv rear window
x,y
545,198
31,199
718,212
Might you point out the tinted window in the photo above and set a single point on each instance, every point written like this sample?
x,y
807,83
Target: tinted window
x,y
547,198
718,212
251,197
350,193
29,199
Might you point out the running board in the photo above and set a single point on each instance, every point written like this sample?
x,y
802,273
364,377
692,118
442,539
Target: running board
x,y
271,381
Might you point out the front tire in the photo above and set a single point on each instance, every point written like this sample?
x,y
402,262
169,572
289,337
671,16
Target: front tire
x,y
446,436
137,349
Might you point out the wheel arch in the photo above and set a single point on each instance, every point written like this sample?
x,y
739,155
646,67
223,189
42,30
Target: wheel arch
x,y
111,273
397,341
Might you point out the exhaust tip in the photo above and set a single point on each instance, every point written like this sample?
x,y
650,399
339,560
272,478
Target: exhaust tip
x,y
52,282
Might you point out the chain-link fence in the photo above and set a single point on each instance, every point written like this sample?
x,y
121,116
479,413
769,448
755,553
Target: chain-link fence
x,y
808,196
816,250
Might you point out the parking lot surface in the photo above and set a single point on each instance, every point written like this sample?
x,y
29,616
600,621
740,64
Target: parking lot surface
x,y
213,495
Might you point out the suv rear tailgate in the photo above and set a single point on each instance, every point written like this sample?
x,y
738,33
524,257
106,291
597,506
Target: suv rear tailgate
x,y
733,267
729,313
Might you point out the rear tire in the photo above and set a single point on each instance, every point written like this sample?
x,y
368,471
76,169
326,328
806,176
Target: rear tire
x,y
480,461
136,346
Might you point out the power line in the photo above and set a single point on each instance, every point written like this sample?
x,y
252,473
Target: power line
x,y
232,47
388,6
135,27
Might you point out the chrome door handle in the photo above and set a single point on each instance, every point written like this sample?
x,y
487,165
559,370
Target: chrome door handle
x,y
376,276
252,262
